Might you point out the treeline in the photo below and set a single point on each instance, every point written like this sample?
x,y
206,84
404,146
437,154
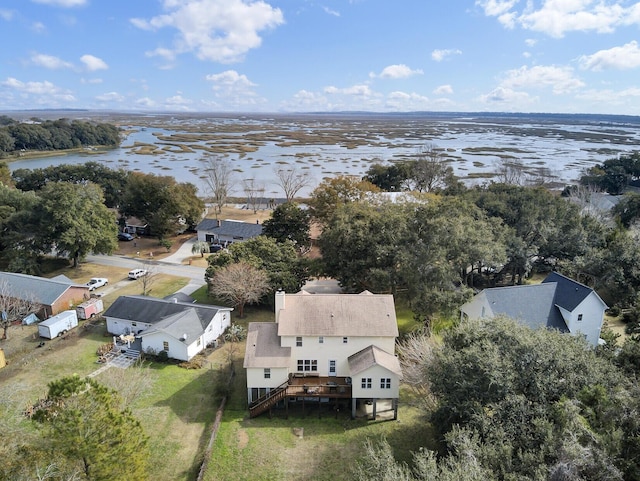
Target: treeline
x,y
58,134
509,403
76,209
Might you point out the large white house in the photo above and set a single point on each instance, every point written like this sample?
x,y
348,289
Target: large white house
x,y
182,329
557,303
323,348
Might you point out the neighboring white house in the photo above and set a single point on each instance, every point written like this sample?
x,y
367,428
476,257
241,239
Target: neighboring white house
x,y
182,329
324,347
226,231
557,303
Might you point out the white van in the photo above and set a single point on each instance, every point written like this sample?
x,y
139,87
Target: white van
x,y
137,273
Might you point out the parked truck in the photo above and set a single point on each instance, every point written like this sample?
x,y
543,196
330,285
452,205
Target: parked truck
x,y
58,325
90,308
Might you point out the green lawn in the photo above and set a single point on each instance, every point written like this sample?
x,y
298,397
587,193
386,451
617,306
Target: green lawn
x,y
268,449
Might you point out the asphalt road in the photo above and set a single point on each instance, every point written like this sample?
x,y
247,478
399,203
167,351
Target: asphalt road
x,y
194,274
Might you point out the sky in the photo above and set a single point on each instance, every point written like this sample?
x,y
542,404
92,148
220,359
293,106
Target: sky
x,y
251,56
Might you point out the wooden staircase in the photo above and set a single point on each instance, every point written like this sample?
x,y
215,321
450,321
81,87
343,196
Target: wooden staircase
x,y
266,402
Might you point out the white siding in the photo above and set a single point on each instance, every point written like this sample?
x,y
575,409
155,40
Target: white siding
x,y
177,349
122,326
592,311
375,373
256,379
333,348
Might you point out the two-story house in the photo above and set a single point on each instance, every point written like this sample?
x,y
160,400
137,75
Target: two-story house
x,y
322,348
557,303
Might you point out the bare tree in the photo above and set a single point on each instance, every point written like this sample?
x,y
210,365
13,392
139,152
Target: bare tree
x,y
511,171
254,191
292,181
430,170
130,383
14,306
416,352
240,284
149,278
219,174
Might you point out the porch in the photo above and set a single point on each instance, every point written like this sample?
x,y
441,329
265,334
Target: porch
x,y
303,389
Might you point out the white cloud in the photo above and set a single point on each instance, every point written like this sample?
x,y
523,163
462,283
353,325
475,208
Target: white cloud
x,y
62,3
230,79
110,97
440,55
215,30
91,80
403,101
93,63
396,72
611,97
177,100
38,27
443,90
557,17
331,12
145,102
360,90
233,89
39,93
6,14
530,42
38,88
560,79
49,61
621,58
495,8
506,96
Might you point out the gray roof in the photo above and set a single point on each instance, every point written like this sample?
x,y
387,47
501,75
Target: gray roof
x,y
372,356
180,297
44,291
569,293
230,228
362,314
263,347
175,318
532,305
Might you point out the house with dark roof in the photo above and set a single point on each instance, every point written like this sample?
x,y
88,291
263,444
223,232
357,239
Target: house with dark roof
x,y
53,295
324,348
557,303
226,231
175,325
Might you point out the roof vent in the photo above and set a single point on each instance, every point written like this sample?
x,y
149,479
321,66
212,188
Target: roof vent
x,y
184,336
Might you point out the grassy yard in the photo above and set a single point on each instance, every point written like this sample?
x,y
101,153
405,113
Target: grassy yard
x,y
268,449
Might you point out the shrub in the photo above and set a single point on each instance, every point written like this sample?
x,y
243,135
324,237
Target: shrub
x,y
196,362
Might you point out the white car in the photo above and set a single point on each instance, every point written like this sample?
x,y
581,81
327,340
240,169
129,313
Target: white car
x,y
137,273
96,282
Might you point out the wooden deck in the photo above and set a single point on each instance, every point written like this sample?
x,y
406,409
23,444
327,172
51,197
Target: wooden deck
x,y
319,386
311,388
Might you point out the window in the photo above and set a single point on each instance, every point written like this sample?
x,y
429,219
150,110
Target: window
x,y
307,364
198,343
345,340
165,345
321,340
579,317
385,383
366,383
298,342
267,373
134,324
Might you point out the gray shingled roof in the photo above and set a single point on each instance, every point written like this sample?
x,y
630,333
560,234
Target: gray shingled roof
x,y
372,356
532,305
263,347
185,326
362,314
162,312
569,293
230,228
45,291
